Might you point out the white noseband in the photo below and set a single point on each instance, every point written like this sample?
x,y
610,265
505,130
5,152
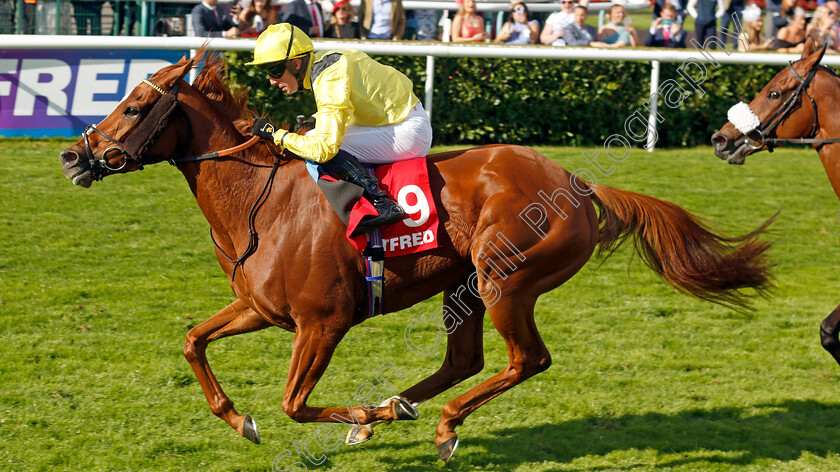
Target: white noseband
x,y
743,118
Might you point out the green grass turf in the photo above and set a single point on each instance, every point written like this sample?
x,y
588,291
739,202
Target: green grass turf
x,y
99,286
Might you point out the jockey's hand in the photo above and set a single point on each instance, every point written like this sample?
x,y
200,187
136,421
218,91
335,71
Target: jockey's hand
x,y
264,129
304,122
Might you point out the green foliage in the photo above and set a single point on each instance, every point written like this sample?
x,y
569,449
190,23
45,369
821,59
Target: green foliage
x,y
540,102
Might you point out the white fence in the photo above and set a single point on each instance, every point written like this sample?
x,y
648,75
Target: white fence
x,y
429,49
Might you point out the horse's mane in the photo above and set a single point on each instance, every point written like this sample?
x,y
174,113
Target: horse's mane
x,y
211,84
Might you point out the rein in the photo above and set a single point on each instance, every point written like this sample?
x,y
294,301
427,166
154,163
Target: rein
x,y
134,148
781,114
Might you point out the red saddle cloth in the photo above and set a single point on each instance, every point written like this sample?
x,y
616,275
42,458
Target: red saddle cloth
x,y
408,182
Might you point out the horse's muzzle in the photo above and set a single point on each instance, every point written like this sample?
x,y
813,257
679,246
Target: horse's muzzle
x,y
733,151
76,168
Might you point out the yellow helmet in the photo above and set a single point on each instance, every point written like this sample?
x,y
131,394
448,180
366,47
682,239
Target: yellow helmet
x,y
280,42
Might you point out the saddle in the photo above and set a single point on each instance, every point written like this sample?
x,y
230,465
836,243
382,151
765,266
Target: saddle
x,y
408,182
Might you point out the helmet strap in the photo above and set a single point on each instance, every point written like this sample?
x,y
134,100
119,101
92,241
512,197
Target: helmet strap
x,y
299,72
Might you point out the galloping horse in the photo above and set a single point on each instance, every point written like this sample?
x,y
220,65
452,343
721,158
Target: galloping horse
x,y
780,114
297,271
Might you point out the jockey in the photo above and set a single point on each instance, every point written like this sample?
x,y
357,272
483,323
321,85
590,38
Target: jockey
x,y
366,112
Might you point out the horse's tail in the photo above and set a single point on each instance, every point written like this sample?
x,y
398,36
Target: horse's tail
x,y
683,250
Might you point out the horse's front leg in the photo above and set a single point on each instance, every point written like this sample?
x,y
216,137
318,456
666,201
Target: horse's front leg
x,y
829,330
236,318
464,358
312,351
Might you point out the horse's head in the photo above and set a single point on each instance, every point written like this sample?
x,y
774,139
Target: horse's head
x,y
134,134
781,111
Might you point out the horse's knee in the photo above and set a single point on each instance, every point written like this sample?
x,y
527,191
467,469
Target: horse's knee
x,y
828,335
528,365
189,349
464,367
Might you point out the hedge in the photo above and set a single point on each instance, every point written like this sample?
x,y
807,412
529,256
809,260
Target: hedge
x,y
535,101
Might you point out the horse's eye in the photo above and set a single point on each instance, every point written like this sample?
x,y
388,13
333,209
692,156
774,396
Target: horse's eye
x,y
774,95
131,112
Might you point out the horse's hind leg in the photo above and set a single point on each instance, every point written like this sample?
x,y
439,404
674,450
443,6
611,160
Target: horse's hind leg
x,y
829,330
464,347
513,317
236,318
464,354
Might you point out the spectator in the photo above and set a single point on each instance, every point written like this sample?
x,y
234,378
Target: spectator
x,y
615,32
835,8
705,14
733,8
579,33
125,13
427,24
258,16
519,27
341,25
752,33
821,28
213,20
678,4
552,32
88,13
29,10
666,32
781,17
306,15
468,26
791,38
382,19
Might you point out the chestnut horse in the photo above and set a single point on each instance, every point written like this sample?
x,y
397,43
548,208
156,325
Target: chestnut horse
x,y
297,271
798,106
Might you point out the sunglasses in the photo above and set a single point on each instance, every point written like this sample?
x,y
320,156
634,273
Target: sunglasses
x,y
519,10
275,69
566,2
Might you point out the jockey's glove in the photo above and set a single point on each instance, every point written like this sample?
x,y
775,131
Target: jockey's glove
x,y
264,129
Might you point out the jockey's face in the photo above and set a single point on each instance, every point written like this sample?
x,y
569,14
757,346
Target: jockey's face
x,y
286,82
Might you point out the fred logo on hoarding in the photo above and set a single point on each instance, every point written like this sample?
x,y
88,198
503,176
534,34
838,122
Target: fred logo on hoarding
x,y
59,92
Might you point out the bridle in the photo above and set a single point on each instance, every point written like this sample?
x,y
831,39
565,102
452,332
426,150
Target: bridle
x,y
764,130
136,145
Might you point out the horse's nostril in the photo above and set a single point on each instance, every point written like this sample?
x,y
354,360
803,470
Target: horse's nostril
x,y
719,140
69,157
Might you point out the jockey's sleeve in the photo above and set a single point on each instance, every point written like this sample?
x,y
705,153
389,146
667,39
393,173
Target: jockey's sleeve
x,y
335,109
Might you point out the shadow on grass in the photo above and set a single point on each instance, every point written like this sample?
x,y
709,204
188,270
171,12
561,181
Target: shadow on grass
x,y
736,436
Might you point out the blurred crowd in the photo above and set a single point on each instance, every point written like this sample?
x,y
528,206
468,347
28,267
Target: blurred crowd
x,y
781,25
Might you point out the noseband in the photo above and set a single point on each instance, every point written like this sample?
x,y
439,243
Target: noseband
x,y
763,130
138,143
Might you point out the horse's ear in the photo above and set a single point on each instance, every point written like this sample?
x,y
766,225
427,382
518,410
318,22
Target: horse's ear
x,y
810,47
812,59
176,72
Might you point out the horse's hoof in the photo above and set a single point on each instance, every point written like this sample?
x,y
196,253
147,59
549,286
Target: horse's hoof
x,y
403,409
447,449
359,434
250,431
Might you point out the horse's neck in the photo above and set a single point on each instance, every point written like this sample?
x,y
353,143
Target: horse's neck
x,y
227,189
830,128
830,157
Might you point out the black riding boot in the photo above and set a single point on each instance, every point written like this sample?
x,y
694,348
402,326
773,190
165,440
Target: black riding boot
x,y
347,167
